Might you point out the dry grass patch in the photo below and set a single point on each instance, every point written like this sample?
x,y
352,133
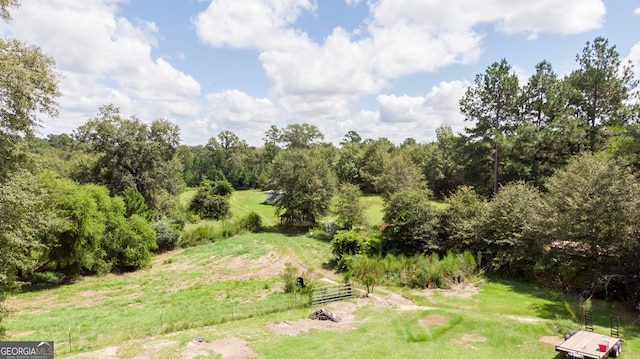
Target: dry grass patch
x,y
227,348
469,340
434,320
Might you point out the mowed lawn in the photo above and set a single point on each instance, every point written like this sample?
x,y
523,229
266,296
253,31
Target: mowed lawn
x,y
228,294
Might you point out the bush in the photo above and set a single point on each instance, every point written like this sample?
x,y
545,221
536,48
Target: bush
x,y
290,277
222,188
251,222
346,243
210,200
216,207
166,236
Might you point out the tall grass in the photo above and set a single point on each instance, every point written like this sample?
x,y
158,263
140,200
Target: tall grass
x,y
423,271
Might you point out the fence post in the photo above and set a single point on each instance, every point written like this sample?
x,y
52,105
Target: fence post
x,y
160,321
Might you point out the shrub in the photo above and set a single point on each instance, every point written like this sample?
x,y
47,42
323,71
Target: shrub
x,y
289,276
346,243
210,200
166,236
216,207
251,222
222,188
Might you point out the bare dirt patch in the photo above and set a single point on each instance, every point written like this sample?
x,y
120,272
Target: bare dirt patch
x,y
304,325
466,291
343,310
433,320
469,340
106,353
228,348
151,349
551,340
397,301
526,319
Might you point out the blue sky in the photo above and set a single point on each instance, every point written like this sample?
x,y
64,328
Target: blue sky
x,y
384,68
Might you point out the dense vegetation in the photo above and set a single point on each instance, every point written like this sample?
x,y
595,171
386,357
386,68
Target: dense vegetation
x,y
544,182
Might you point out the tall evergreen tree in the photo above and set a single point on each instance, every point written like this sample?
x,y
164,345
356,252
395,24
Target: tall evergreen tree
x,y
492,104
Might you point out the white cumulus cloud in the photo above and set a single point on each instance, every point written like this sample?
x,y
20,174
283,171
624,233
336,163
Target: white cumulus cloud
x,y
103,58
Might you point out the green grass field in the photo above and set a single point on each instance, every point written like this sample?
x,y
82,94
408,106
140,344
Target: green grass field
x,y
229,295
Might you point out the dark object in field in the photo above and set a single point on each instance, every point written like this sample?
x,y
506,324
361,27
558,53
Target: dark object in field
x,y
324,314
301,282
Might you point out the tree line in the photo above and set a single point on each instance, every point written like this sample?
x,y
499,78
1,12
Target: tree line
x,y
543,183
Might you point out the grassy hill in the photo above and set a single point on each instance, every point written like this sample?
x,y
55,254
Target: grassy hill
x,y
225,299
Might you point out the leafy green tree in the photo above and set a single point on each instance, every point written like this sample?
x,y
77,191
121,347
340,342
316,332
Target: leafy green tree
x,y
4,8
592,221
346,207
28,86
347,166
602,85
351,137
128,243
307,183
492,103
133,154
511,229
459,222
400,174
211,201
300,136
346,243
375,157
23,218
443,169
411,224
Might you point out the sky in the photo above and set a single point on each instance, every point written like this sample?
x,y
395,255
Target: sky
x,y
383,68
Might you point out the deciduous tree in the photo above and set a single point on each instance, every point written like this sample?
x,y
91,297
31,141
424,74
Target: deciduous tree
x,y
307,184
132,153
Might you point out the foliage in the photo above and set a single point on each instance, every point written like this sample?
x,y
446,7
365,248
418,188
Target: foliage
x,y
251,222
346,207
211,200
300,136
289,276
29,86
511,228
132,153
431,271
602,85
166,235
400,174
307,183
366,270
492,103
410,224
459,222
135,204
591,218
375,157
346,242
129,243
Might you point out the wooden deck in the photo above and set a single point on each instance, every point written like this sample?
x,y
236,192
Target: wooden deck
x,y
586,344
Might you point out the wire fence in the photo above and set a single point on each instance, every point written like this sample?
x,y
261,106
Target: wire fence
x,y
93,333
